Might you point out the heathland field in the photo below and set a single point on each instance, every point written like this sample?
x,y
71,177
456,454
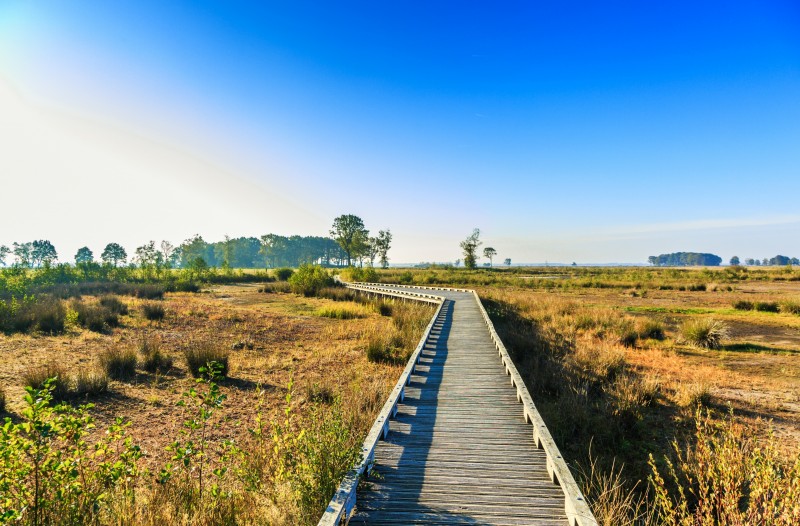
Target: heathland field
x,y
651,381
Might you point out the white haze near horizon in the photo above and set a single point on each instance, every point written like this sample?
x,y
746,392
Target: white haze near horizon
x,y
78,181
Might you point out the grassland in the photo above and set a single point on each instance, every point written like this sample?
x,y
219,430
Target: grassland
x,y
619,375
619,362
293,361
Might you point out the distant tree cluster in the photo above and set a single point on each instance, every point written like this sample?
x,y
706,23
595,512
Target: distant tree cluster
x,y
353,238
779,261
350,242
685,259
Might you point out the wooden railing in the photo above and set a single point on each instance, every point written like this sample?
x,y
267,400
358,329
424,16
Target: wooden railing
x,y
344,500
577,509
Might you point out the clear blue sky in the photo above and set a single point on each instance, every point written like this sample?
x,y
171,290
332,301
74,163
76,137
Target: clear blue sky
x,y
594,132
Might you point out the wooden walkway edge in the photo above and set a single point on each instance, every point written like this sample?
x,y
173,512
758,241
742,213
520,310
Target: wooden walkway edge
x,y
454,444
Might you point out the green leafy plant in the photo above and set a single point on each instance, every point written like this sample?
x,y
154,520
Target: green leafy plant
x,y
51,475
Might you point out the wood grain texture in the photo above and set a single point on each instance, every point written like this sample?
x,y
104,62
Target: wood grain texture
x,y
459,450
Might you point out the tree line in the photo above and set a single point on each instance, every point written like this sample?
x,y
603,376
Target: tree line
x,y
349,243
685,259
777,261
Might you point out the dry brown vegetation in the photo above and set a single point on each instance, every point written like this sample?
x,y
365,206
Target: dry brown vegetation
x,y
272,341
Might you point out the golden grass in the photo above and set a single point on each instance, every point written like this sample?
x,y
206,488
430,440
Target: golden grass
x,y
324,356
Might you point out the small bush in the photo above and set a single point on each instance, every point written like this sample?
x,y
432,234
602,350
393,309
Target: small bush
x,y
383,308
201,353
46,314
791,307
766,306
320,394
153,311
36,377
113,304
309,279
149,292
186,286
339,313
337,294
694,394
90,384
627,335
743,305
283,274
706,333
697,287
652,329
119,364
96,318
153,358
381,350
277,286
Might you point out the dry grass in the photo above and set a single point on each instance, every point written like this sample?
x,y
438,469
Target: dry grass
x,y
325,356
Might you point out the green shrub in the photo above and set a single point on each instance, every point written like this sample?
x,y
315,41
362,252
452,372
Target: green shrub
x,y
113,304
119,363
652,329
339,313
153,311
96,318
309,279
277,286
200,354
153,358
283,274
706,333
726,475
56,375
743,305
766,306
337,293
53,473
186,286
90,384
320,394
790,307
383,308
381,350
149,291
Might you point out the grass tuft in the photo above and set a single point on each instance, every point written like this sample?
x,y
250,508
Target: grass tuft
x,y
790,307
119,364
340,313
705,333
153,359
36,377
153,311
201,353
113,304
90,384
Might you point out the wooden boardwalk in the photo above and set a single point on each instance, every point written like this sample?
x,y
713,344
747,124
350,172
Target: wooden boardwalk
x,y
459,449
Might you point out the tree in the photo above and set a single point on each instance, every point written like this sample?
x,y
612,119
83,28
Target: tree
x,y
348,230
735,260
489,253
114,254
507,262
384,242
4,251
168,253
470,246
22,251
750,261
43,253
84,255
148,257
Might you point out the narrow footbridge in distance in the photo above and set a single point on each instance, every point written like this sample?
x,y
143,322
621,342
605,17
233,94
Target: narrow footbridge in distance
x,y
459,441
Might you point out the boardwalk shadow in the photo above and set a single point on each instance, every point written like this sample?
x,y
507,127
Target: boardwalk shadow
x,y
392,491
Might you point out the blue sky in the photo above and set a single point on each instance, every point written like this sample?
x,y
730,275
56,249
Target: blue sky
x,y
566,131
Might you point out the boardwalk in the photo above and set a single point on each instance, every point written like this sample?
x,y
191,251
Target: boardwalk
x,y
459,449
